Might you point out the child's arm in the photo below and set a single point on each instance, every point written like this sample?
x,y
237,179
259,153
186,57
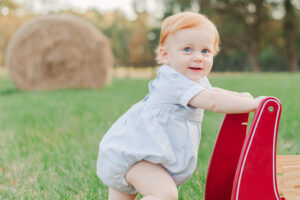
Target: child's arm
x,y
241,94
224,102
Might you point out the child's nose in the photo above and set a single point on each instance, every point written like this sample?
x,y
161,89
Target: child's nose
x,y
198,57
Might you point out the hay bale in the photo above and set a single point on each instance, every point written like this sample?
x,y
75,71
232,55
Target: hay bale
x,y
59,51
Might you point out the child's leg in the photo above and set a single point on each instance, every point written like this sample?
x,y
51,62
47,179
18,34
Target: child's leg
x,y
152,181
115,195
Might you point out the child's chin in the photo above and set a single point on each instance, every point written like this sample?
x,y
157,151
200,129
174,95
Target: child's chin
x,y
196,78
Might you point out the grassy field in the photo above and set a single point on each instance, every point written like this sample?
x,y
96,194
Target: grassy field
x,y
49,140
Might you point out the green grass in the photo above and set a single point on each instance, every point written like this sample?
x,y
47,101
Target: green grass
x,y
49,140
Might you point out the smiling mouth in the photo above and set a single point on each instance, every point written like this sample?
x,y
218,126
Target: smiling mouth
x,y
196,68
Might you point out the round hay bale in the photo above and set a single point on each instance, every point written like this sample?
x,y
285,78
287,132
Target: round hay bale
x,y
59,51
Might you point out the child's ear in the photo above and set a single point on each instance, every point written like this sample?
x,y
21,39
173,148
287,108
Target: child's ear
x,y
163,54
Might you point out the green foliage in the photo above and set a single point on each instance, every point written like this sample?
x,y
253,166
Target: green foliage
x,y
272,60
49,140
252,36
119,31
231,61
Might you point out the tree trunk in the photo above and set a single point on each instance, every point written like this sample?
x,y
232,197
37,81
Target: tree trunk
x,y
254,58
289,27
292,63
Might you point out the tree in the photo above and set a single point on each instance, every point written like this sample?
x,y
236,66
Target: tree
x,y
173,6
141,51
206,7
119,30
252,22
290,30
10,20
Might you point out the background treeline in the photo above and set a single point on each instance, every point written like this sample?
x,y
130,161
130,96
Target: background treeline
x,y
256,35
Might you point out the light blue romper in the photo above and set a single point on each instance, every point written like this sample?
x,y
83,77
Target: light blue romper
x,y
161,128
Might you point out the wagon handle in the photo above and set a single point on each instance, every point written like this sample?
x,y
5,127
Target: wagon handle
x,y
242,166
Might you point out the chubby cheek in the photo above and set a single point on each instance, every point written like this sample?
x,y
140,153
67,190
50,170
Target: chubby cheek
x,y
171,59
208,70
209,64
176,62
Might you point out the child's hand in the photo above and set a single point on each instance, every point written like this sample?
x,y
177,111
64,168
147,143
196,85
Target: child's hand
x,y
260,98
258,101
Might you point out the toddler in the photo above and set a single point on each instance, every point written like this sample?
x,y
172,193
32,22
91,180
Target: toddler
x,y
153,147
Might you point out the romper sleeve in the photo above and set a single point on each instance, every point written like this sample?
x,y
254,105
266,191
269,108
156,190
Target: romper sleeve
x,y
175,88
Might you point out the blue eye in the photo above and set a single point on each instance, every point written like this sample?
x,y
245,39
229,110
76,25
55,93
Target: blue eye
x,y
204,51
187,50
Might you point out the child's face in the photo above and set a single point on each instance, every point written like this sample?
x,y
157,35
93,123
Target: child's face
x,y
190,51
